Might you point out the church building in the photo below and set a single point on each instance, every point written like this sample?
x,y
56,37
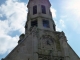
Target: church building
x,y
41,41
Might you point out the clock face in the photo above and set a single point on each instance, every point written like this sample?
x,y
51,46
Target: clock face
x,y
49,41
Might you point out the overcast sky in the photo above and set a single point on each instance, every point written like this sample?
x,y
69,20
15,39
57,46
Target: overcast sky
x,y
13,14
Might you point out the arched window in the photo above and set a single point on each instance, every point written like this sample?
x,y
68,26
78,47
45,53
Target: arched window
x,y
34,9
34,23
54,27
46,23
43,8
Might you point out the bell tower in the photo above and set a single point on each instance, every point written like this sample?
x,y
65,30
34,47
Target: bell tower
x,y
39,15
47,44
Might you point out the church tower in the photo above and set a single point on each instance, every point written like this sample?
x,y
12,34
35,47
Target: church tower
x,y
41,41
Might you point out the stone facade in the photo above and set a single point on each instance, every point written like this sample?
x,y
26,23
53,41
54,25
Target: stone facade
x,y
41,42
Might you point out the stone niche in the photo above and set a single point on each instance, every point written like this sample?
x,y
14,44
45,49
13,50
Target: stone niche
x,y
21,37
